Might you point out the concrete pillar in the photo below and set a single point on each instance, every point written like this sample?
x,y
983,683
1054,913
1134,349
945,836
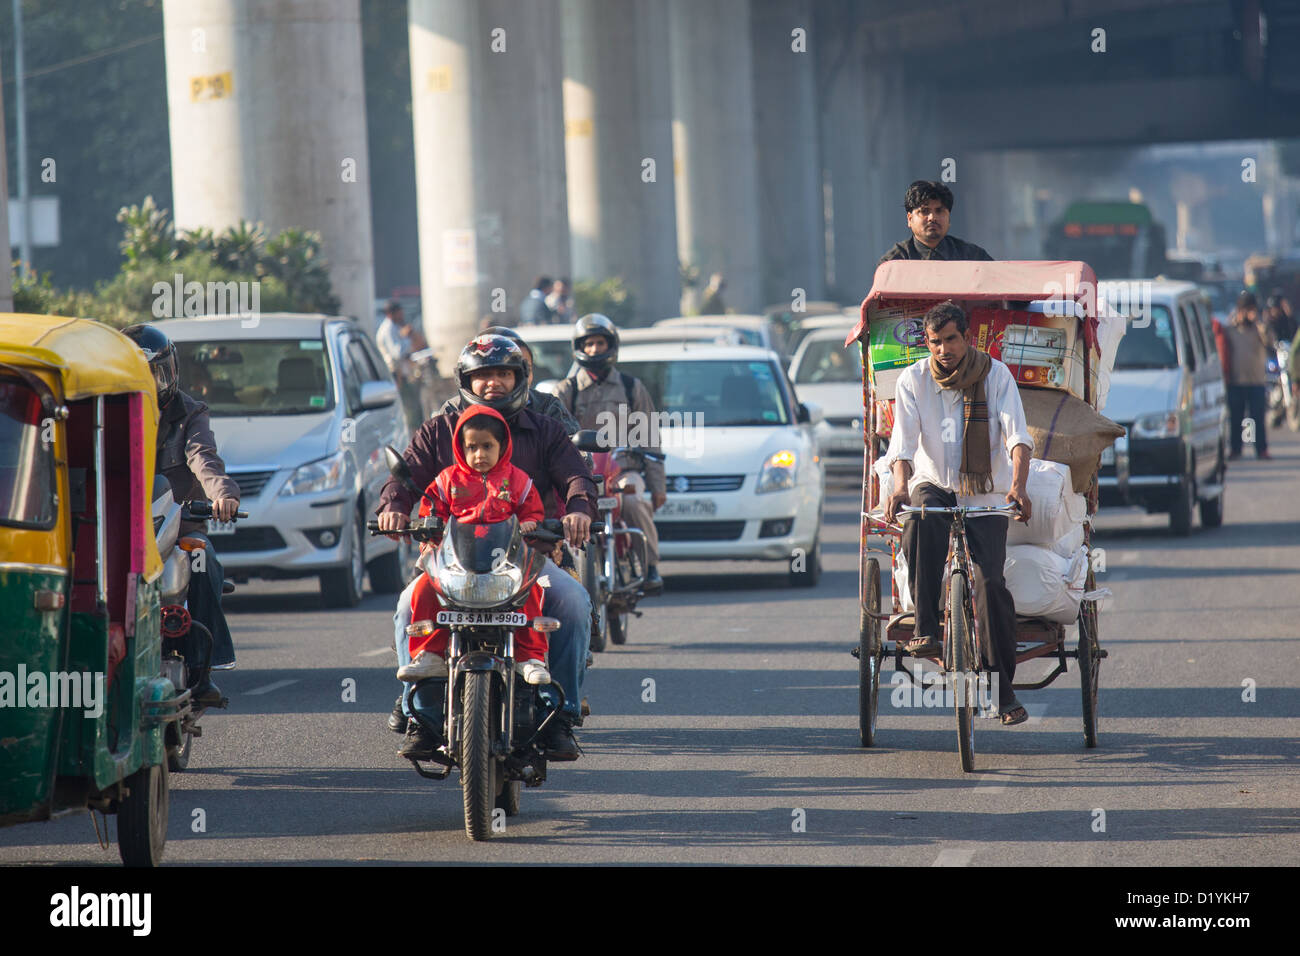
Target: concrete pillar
x,y
489,154
617,116
714,145
6,273
268,123
789,164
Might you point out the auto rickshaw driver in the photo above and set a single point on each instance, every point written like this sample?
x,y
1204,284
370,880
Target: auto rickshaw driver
x,y
188,459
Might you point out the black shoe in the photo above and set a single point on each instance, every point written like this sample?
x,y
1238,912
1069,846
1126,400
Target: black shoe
x,y
206,694
397,720
653,583
419,743
558,740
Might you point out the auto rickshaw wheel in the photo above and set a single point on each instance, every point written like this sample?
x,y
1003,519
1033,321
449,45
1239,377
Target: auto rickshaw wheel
x,y
142,817
178,754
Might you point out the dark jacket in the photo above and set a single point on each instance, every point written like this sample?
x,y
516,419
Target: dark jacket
x,y
187,455
949,249
540,402
540,447
534,310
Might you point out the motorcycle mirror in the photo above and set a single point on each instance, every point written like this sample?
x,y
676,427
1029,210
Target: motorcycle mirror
x,y
400,470
589,440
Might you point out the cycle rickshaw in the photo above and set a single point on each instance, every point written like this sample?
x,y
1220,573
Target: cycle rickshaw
x,y
901,293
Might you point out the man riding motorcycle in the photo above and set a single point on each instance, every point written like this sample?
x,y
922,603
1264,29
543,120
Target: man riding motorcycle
x,y
540,402
188,459
492,371
595,396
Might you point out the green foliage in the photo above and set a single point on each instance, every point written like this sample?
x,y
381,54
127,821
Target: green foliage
x,y
287,270
609,297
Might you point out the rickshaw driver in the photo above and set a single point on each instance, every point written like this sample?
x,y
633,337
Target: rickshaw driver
x,y
188,459
929,205
936,465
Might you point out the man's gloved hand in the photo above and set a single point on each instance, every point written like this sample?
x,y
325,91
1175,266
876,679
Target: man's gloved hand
x,y
223,509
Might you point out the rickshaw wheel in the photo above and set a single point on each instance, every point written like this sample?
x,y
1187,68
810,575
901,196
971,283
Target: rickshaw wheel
x,y
142,817
1089,665
870,654
959,656
178,757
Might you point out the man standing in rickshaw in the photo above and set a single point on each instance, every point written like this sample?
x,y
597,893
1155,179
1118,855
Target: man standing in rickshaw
x,y
929,206
188,459
960,439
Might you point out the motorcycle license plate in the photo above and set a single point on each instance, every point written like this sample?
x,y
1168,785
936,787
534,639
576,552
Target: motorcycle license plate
x,y
482,618
692,506
216,527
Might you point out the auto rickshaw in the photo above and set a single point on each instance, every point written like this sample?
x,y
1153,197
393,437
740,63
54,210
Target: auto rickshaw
x,y
85,706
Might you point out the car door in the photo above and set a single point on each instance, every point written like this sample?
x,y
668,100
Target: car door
x,y
1197,365
362,429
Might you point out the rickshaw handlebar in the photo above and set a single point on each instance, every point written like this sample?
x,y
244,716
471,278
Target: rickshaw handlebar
x,y
973,511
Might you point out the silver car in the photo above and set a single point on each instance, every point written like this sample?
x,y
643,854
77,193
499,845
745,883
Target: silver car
x,y
302,406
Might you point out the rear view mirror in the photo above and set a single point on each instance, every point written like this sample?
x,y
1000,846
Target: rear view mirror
x,y
589,440
400,470
161,488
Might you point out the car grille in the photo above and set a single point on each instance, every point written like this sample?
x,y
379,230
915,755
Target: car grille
x,y
248,539
700,483
251,483
699,530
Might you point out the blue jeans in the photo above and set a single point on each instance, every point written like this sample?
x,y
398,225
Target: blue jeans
x,y
566,600
204,600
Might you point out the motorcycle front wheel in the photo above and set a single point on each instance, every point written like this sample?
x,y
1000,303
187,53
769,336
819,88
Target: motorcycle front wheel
x,y
479,769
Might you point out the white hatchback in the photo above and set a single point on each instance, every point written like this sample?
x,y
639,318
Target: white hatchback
x,y
745,481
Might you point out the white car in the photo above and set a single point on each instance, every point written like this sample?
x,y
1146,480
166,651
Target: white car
x,y
744,478
756,330
829,374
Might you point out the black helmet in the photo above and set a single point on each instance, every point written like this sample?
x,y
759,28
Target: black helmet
x,y
587,326
494,351
163,362
512,335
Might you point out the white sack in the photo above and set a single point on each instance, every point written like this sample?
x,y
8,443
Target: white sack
x,y
1057,513
1045,584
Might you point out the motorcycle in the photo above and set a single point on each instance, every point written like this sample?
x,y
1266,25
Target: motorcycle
x,y
1283,400
490,721
186,643
614,566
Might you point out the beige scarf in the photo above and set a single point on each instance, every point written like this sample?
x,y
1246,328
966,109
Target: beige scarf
x,y
968,378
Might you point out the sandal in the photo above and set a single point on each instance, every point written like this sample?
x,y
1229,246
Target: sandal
x,y
1016,715
923,647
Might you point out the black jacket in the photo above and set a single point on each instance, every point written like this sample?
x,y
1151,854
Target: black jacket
x,y
949,249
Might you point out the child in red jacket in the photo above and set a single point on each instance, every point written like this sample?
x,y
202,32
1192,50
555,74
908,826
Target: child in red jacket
x,y
483,487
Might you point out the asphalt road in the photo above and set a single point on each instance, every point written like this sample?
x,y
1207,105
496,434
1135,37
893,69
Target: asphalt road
x,y
748,750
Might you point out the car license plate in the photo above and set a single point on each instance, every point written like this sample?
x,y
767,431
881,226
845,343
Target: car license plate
x,y
216,527
847,444
1108,455
482,618
690,507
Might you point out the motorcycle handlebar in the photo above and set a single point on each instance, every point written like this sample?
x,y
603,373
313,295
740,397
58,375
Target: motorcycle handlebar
x,y
201,510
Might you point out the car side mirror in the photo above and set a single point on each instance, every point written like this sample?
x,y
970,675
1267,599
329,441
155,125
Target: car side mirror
x,y
400,470
811,413
377,394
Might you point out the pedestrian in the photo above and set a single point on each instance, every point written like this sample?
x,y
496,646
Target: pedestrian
x,y
560,301
929,208
1250,343
398,340
534,310
712,304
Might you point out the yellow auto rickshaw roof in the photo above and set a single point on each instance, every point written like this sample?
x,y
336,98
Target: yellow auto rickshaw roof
x,y
90,358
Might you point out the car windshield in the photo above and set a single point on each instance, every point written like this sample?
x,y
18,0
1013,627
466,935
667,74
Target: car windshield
x,y
723,391
1149,345
552,359
827,361
258,376
26,458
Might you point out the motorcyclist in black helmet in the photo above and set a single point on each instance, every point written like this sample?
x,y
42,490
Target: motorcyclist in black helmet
x,y
187,457
540,402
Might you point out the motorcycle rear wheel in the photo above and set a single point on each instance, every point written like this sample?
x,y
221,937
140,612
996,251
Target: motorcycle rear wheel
x,y
479,770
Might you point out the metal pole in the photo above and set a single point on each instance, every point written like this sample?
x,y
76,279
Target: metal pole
x,y
20,105
101,507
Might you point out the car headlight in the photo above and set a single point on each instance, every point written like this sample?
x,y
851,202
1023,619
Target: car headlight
x,y
1158,425
778,472
324,475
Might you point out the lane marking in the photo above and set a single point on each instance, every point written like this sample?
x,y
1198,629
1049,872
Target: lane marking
x,y
990,784
270,687
954,856
376,652
1036,713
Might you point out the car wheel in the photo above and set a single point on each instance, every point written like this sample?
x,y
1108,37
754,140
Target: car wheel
x,y
1184,509
806,569
389,573
343,586
1212,508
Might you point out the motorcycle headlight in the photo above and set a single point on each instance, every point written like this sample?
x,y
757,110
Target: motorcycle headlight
x,y
1158,425
778,472
480,590
324,475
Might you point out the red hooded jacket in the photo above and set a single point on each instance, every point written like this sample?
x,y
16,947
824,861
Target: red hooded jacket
x,y
476,498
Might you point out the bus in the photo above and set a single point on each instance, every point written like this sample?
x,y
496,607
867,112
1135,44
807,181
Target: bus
x,y
1120,240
